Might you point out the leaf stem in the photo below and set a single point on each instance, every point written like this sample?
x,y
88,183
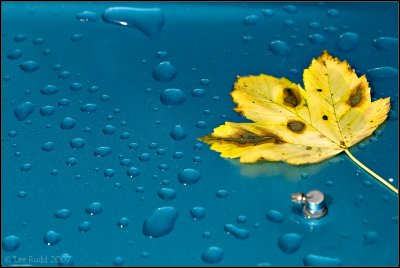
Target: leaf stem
x,y
376,176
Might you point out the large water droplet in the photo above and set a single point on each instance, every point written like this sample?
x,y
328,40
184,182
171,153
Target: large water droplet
x,y
348,41
14,54
148,20
189,176
274,216
161,222
237,232
62,214
10,243
49,90
383,73
77,143
68,123
316,260
172,97
370,238
89,108
94,208
317,39
86,16
178,133
29,66
164,72
279,48
290,243
51,238
386,43
23,110
212,255
166,194
102,151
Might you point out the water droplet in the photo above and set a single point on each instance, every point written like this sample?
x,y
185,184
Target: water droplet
x,y
64,102
370,238
197,159
144,157
125,162
314,25
290,243
348,42
12,134
54,172
118,261
250,20
205,81
267,12
198,92
178,155
47,110
65,260
237,232
241,219
288,23
166,194
198,213
161,151
247,38
26,167
290,9
161,54
383,73
11,243
279,48
172,97
23,110
333,13
38,41
161,222
77,143
386,43
201,124
133,146
163,167
330,29
76,37
102,151
57,67
395,219
329,183
89,108
133,172
304,175
84,227
109,129
178,133
62,214
125,135
206,234
164,72
14,54
317,39
22,194
29,66
148,20
153,145
75,86
85,16
212,255
64,75
189,176
108,173
123,222
17,154
71,161
197,146
361,146
145,254
316,260
274,216
51,238
221,194
67,123
94,208
93,89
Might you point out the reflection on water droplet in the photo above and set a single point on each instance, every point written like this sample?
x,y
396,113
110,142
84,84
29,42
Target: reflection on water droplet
x,y
12,134
71,161
172,97
76,37
75,86
198,92
94,208
290,9
89,108
64,102
221,194
198,213
77,143
22,194
108,173
148,20
109,129
144,157
23,110
290,243
51,238
178,155
20,37
47,110
161,222
267,12
26,167
212,255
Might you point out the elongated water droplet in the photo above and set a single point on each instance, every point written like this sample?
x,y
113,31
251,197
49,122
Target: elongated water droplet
x,y
161,222
23,110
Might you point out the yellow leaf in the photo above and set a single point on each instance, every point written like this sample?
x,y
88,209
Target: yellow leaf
x,y
301,126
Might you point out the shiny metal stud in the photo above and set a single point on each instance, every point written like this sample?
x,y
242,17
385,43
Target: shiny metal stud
x,y
314,206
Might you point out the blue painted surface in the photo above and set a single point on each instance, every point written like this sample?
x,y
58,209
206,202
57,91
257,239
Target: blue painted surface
x,y
62,204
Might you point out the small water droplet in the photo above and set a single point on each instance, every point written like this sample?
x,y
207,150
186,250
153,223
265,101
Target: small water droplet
x,y
386,43
333,13
316,39
362,146
76,37
247,38
288,23
330,29
290,243
84,227
250,20
71,161
290,9
164,72
221,194
51,238
75,86
23,110
161,151
172,97
144,157
22,194
125,162
64,102
85,16
148,20
38,41
178,155
102,151
77,143
178,133
14,54
62,214
89,108
26,167
93,89
316,260
329,183
314,25
241,219
279,48
47,110
133,172
198,213
189,176
109,129
161,222
133,146
10,243
108,173
166,194
198,92
67,123
123,222
267,12
29,66
54,172
274,216
163,167
370,238
205,81
12,134
347,42
94,208
212,254
64,75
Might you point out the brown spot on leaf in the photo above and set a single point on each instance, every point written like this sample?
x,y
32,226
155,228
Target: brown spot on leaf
x,y
319,90
308,148
324,117
356,96
296,126
291,97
